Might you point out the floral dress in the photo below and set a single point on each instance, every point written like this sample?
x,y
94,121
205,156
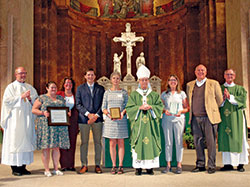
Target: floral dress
x,y
51,136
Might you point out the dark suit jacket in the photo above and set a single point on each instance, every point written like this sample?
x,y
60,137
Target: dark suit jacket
x,y
86,103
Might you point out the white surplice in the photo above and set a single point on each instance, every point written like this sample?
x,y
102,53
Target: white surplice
x,y
17,120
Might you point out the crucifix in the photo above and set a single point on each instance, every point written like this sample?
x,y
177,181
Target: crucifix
x,y
128,39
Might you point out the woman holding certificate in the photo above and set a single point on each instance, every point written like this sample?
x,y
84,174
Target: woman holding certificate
x,y
50,137
115,125
173,121
67,158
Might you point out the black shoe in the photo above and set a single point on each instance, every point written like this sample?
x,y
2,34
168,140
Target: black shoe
x,y
198,169
68,169
150,171
240,168
211,170
26,172
138,171
16,173
227,167
71,169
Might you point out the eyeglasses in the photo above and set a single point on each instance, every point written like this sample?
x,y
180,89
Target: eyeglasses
x,y
229,74
173,80
22,73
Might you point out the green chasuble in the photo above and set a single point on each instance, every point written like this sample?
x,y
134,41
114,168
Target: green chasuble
x,y
145,136
230,130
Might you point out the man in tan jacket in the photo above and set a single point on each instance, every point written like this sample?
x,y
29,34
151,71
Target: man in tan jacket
x,y
205,97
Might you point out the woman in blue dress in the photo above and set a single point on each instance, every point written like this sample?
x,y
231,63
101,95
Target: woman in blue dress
x,y
50,137
173,122
115,129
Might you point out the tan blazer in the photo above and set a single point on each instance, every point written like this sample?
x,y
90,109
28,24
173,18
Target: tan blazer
x,y
213,100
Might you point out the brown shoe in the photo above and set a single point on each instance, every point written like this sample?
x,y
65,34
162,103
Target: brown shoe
x,y
98,169
83,170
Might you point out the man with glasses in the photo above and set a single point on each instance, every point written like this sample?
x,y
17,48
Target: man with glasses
x,y
17,121
232,131
205,97
144,109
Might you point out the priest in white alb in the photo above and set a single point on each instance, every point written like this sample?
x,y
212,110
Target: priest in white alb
x,y
17,121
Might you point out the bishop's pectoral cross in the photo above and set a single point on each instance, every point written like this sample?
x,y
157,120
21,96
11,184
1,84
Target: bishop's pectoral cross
x,y
128,39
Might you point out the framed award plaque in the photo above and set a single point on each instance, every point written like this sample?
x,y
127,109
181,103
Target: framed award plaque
x,y
115,113
58,116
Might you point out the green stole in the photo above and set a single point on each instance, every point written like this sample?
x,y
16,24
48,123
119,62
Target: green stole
x,y
145,136
230,131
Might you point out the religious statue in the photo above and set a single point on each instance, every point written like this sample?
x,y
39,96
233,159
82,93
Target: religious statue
x,y
140,60
123,13
117,62
128,39
117,6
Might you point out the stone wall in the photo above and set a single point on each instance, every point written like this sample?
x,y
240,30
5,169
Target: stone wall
x,y
16,40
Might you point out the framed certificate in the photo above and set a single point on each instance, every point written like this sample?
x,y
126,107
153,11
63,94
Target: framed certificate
x,y
115,113
58,116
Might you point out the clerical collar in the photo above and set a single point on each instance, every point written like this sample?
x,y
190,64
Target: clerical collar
x,y
229,85
19,82
144,92
200,83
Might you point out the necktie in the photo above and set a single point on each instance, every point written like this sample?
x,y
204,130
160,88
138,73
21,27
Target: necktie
x,y
91,90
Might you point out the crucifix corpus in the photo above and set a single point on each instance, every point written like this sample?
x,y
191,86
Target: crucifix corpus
x,y
128,39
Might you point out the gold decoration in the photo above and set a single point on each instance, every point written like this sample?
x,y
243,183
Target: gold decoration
x,y
227,112
228,130
145,119
159,3
91,3
145,140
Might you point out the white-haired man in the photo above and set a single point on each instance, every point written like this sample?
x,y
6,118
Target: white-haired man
x,y
144,109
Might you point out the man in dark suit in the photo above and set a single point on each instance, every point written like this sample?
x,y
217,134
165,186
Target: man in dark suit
x,y
88,102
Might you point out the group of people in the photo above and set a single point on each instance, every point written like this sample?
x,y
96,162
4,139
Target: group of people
x,y
211,108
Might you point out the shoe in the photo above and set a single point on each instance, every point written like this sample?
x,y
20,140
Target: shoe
x,y
83,170
150,171
71,169
240,168
26,172
68,169
113,170
227,167
178,170
98,169
16,173
166,170
120,170
57,172
211,170
47,174
198,169
138,171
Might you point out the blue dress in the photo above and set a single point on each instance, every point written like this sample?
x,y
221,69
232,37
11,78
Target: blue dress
x,y
51,136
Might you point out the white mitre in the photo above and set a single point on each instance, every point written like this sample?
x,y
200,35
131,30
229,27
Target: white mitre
x,y
143,72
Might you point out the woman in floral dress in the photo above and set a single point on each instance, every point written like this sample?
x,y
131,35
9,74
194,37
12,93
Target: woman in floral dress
x,y
50,137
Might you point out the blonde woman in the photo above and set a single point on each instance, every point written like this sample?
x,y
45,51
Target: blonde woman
x,y
115,129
